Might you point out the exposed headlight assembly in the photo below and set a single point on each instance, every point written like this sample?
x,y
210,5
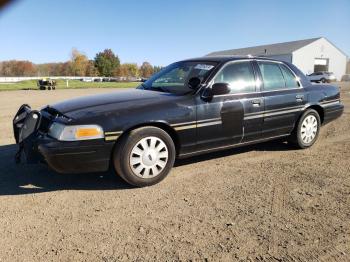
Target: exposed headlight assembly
x,y
75,133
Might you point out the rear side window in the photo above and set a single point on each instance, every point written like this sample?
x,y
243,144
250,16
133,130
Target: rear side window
x,y
272,76
239,75
289,77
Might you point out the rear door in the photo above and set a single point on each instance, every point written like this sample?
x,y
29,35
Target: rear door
x,y
284,98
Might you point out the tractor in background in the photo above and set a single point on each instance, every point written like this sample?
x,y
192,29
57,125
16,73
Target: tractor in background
x,y
46,84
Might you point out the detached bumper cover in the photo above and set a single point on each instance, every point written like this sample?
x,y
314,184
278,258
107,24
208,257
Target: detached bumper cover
x,y
64,157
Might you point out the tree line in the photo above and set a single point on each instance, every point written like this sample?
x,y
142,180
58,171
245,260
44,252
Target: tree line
x,y
105,63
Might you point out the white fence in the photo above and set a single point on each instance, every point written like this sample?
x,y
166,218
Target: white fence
x,y
5,79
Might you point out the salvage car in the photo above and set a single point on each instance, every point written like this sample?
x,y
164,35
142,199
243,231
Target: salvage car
x,y
322,77
190,107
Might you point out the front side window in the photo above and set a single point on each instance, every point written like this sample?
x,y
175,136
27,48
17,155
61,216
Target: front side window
x,y
239,76
272,76
289,77
174,78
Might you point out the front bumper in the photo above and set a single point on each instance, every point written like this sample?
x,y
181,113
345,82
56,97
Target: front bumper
x,y
62,156
76,157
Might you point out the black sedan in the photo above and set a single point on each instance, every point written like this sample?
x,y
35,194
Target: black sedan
x,y
191,107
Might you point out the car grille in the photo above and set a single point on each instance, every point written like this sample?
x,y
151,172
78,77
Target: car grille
x,y
48,114
45,123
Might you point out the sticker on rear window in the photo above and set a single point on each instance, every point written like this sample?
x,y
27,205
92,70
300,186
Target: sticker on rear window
x,y
204,67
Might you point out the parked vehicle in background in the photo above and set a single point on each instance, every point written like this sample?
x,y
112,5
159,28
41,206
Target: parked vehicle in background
x,y
190,107
87,79
322,77
345,78
109,79
48,84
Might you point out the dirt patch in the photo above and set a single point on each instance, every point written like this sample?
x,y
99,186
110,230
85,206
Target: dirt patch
x,y
263,202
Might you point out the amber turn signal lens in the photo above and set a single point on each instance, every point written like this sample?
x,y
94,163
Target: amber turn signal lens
x,y
87,132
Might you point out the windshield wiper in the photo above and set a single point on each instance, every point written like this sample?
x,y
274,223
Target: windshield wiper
x,y
163,89
144,87
158,88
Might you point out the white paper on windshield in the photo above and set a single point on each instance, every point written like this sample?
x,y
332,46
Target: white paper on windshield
x,y
203,67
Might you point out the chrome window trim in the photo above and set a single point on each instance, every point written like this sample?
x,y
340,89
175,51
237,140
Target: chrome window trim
x,y
238,94
257,77
283,63
211,82
260,92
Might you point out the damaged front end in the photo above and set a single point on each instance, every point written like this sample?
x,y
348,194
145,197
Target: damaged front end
x,y
29,128
39,142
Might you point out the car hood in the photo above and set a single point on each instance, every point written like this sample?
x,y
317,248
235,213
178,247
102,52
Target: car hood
x,y
129,96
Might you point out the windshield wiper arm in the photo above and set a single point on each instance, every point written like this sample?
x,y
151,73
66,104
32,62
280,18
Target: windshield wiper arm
x,y
144,86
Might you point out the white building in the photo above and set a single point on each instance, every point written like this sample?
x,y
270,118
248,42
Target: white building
x,y
310,55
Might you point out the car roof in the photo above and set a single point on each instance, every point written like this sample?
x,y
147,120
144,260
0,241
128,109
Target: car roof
x,y
223,59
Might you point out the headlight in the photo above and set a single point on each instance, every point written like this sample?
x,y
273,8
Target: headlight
x,y
75,133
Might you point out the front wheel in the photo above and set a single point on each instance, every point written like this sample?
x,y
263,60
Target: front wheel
x,y
145,156
307,129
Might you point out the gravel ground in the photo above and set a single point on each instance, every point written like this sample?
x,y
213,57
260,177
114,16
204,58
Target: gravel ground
x,y
264,202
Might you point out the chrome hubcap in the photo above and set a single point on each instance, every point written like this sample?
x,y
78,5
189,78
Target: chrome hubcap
x,y
148,157
309,129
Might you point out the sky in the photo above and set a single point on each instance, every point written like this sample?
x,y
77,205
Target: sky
x,y
161,31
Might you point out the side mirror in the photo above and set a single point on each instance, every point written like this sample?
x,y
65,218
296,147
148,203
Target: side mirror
x,y
194,83
220,89
215,90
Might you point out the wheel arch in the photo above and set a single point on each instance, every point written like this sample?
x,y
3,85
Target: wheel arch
x,y
319,109
162,125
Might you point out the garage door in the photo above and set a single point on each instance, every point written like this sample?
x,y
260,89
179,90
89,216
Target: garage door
x,y
321,64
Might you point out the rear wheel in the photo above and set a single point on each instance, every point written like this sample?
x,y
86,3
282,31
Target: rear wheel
x,y
323,80
145,156
307,130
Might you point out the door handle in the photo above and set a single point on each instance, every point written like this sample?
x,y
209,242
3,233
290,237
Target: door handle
x,y
299,98
255,102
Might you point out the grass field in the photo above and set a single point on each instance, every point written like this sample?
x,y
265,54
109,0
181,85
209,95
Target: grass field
x,y
61,84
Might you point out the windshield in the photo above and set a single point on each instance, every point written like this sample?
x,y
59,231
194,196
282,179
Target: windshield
x,y
174,78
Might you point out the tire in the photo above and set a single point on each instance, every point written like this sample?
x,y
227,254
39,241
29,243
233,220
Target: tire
x,y
307,129
144,156
323,80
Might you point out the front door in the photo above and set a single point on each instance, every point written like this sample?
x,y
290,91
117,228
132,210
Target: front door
x,y
221,122
284,98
